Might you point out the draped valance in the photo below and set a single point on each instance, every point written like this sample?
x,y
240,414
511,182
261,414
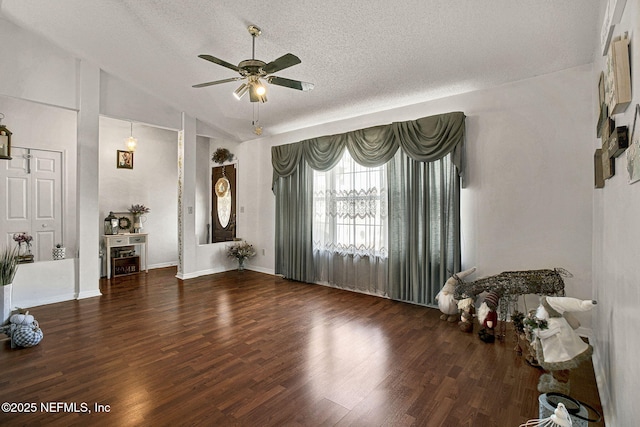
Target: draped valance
x,y
425,139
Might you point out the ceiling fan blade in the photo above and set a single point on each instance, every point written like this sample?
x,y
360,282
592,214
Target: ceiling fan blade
x,y
293,84
219,62
285,61
217,82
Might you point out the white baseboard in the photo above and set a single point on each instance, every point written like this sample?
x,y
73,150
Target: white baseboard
x,y
208,271
88,294
193,275
603,388
162,265
262,270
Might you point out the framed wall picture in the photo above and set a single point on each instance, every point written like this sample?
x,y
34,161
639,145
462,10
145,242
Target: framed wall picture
x,y
124,159
618,76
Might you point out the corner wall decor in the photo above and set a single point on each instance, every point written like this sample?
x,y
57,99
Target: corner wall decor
x,y
603,112
633,153
597,169
222,155
618,76
124,159
608,163
618,141
5,140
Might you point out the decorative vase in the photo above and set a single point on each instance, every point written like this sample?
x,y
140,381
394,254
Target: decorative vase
x,y
138,220
241,263
58,253
5,302
24,255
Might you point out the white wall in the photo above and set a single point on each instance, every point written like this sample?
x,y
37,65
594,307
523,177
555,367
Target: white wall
x,y
44,282
152,182
616,228
119,99
34,69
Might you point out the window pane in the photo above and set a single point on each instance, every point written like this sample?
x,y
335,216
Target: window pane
x,y
350,209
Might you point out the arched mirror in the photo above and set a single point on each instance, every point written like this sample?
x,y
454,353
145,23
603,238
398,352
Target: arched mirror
x,y
223,197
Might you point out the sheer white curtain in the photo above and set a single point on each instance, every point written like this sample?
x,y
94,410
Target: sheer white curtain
x,y
350,226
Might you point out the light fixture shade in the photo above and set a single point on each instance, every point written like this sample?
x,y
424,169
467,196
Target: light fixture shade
x,y
239,93
131,143
257,92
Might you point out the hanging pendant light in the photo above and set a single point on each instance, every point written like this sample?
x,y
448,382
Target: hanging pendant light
x,y
131,142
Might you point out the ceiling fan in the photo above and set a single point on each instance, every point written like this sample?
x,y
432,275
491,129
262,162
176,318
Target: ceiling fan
x,y
254,71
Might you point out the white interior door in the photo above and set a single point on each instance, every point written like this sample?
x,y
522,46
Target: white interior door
x,y
32,183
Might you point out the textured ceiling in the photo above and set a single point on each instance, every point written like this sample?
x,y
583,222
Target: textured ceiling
x,y
362,56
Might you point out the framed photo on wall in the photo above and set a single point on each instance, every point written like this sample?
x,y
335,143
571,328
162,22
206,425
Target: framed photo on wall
x,y
124,159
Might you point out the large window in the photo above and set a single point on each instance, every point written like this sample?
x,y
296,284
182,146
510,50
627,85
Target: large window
x,y
350,209
391,230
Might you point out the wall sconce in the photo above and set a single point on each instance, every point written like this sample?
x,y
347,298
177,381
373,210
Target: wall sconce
x,y
5,140
131,142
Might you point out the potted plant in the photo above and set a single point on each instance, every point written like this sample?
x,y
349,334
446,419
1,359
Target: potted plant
x,y
222,155
241,251
137,211
8,267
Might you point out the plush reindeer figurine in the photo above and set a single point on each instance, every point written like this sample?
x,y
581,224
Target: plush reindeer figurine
x,y
446,301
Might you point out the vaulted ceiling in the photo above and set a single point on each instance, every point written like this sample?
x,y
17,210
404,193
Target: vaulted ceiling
x,y
362,56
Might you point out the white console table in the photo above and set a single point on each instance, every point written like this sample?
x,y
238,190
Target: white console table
x,y
127,239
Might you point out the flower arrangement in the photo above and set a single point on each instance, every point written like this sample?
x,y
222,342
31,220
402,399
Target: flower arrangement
x,y
139,209
24,255
241,251
21,238
222,155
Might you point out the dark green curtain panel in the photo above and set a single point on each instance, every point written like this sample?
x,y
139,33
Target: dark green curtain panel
x,y
424,236
294,209
425,163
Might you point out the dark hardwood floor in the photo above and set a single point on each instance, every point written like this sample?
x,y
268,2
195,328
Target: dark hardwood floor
x,y
249,349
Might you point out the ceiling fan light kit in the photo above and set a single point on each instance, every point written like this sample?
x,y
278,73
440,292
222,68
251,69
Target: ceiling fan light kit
x,y
239,93
254,71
